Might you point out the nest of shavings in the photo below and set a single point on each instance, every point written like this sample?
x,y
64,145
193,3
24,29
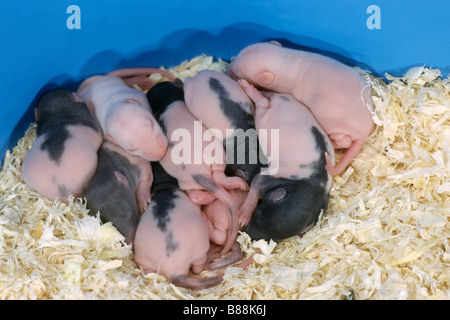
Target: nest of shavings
x,y
385,234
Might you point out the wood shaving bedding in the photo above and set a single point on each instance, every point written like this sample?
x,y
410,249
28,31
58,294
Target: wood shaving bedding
x,y
385,234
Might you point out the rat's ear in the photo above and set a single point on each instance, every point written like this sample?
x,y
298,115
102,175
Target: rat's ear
x,y
90,106
132,101
266,77
109,138
240,173
77,98
277,195
121,178
276,43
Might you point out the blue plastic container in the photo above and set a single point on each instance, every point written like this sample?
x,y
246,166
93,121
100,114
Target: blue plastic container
x,y
59,43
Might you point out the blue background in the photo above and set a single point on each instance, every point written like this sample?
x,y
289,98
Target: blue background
x,y
39,51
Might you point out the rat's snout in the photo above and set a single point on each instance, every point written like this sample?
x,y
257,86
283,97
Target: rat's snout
x,y
130,233
158,149
147,140
162,143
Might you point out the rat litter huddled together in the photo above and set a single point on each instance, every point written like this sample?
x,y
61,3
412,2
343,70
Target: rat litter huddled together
x,y
135,148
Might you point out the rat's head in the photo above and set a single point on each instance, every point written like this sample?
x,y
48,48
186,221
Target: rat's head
x,y
112,192
286,208
162,95
257,63
135,129
58,100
